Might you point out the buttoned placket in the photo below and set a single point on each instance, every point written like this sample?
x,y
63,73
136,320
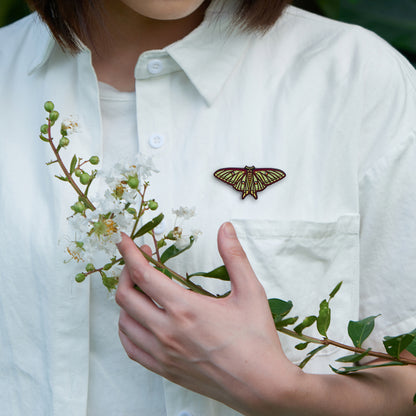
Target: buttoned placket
x,y
154,122
152,74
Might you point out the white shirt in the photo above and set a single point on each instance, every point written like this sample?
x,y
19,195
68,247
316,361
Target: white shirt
x,y
330,104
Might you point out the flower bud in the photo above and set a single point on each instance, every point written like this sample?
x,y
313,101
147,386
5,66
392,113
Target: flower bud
x,y
152,204
78,172
133,182
131,211
44,129
80,277
170,236
49,106
161,243
54,115
89,267
94,160
64,141
84,178
78,207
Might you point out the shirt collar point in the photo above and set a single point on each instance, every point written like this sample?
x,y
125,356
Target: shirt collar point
x,y
45,43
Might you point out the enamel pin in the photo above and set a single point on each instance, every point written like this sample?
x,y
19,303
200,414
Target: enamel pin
x,y
249,180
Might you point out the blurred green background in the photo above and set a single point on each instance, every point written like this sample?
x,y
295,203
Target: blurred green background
x,y
394,20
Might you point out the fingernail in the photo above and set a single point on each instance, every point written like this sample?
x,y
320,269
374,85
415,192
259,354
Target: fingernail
x,y
228,230
122,236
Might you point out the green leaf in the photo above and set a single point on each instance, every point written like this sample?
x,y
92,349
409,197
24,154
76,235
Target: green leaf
x,y
149,226
173,251
73,164
347,370
279,308
360,330
307,322
62,178
353,358
218,273
43,138
324,318
109,282
412,346
285,322
301,346
395,345
335,291
310,355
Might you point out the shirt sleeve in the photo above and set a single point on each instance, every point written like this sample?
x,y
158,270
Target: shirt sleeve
x,y
388,242
387,191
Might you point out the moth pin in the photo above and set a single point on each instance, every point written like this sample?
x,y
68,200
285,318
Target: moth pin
x,y
249,180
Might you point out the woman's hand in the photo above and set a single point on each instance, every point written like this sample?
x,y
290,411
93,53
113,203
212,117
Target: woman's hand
x,y
225,348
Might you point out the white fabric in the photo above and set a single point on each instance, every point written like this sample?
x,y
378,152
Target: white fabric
x,y
109,366
118,113
330,104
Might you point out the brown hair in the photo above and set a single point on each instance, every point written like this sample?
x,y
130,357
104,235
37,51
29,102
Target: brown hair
x,y
73,20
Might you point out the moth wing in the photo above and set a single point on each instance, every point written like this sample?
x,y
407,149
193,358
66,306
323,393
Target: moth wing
x,y
265,177
233,176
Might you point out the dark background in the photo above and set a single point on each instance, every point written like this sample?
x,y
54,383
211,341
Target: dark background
x,y
394,20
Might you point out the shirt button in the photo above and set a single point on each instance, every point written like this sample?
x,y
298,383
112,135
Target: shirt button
x,y
184,413
155,66
160,229
156,141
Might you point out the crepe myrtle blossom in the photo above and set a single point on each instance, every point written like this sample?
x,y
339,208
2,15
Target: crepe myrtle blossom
x,y
184,212
70,125
140,166
183,241
116,209
97,233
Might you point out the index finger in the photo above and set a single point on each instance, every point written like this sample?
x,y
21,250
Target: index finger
x,y
155,284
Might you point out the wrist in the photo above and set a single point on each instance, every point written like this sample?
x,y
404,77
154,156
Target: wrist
x,y
277,391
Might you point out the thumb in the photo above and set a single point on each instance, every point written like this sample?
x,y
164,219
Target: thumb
x,y
242,276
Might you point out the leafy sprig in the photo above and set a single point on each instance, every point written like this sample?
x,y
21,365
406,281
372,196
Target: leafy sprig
x,y
80,179
358,332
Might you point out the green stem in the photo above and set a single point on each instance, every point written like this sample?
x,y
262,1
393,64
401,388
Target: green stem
x,y
177,277
84,198
141,211
326,341
155,244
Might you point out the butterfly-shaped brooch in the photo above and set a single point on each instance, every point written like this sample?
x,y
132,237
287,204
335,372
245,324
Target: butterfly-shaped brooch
x,y
249,180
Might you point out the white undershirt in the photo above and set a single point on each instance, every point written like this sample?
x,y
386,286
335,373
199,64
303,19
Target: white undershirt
x,y
130,385
118,113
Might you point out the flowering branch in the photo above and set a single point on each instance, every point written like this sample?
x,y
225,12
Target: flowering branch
x,y
123,208
51,119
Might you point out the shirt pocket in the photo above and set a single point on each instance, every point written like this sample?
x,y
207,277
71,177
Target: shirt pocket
x,y
303,261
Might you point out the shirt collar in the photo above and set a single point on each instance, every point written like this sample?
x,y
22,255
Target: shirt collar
x,y
210,53
44,41
207,55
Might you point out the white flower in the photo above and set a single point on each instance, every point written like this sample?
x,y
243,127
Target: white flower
x,y
71,125
184,212
182,242
146,166
177,233
76,250
196,233
139,165
79,224
109,203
